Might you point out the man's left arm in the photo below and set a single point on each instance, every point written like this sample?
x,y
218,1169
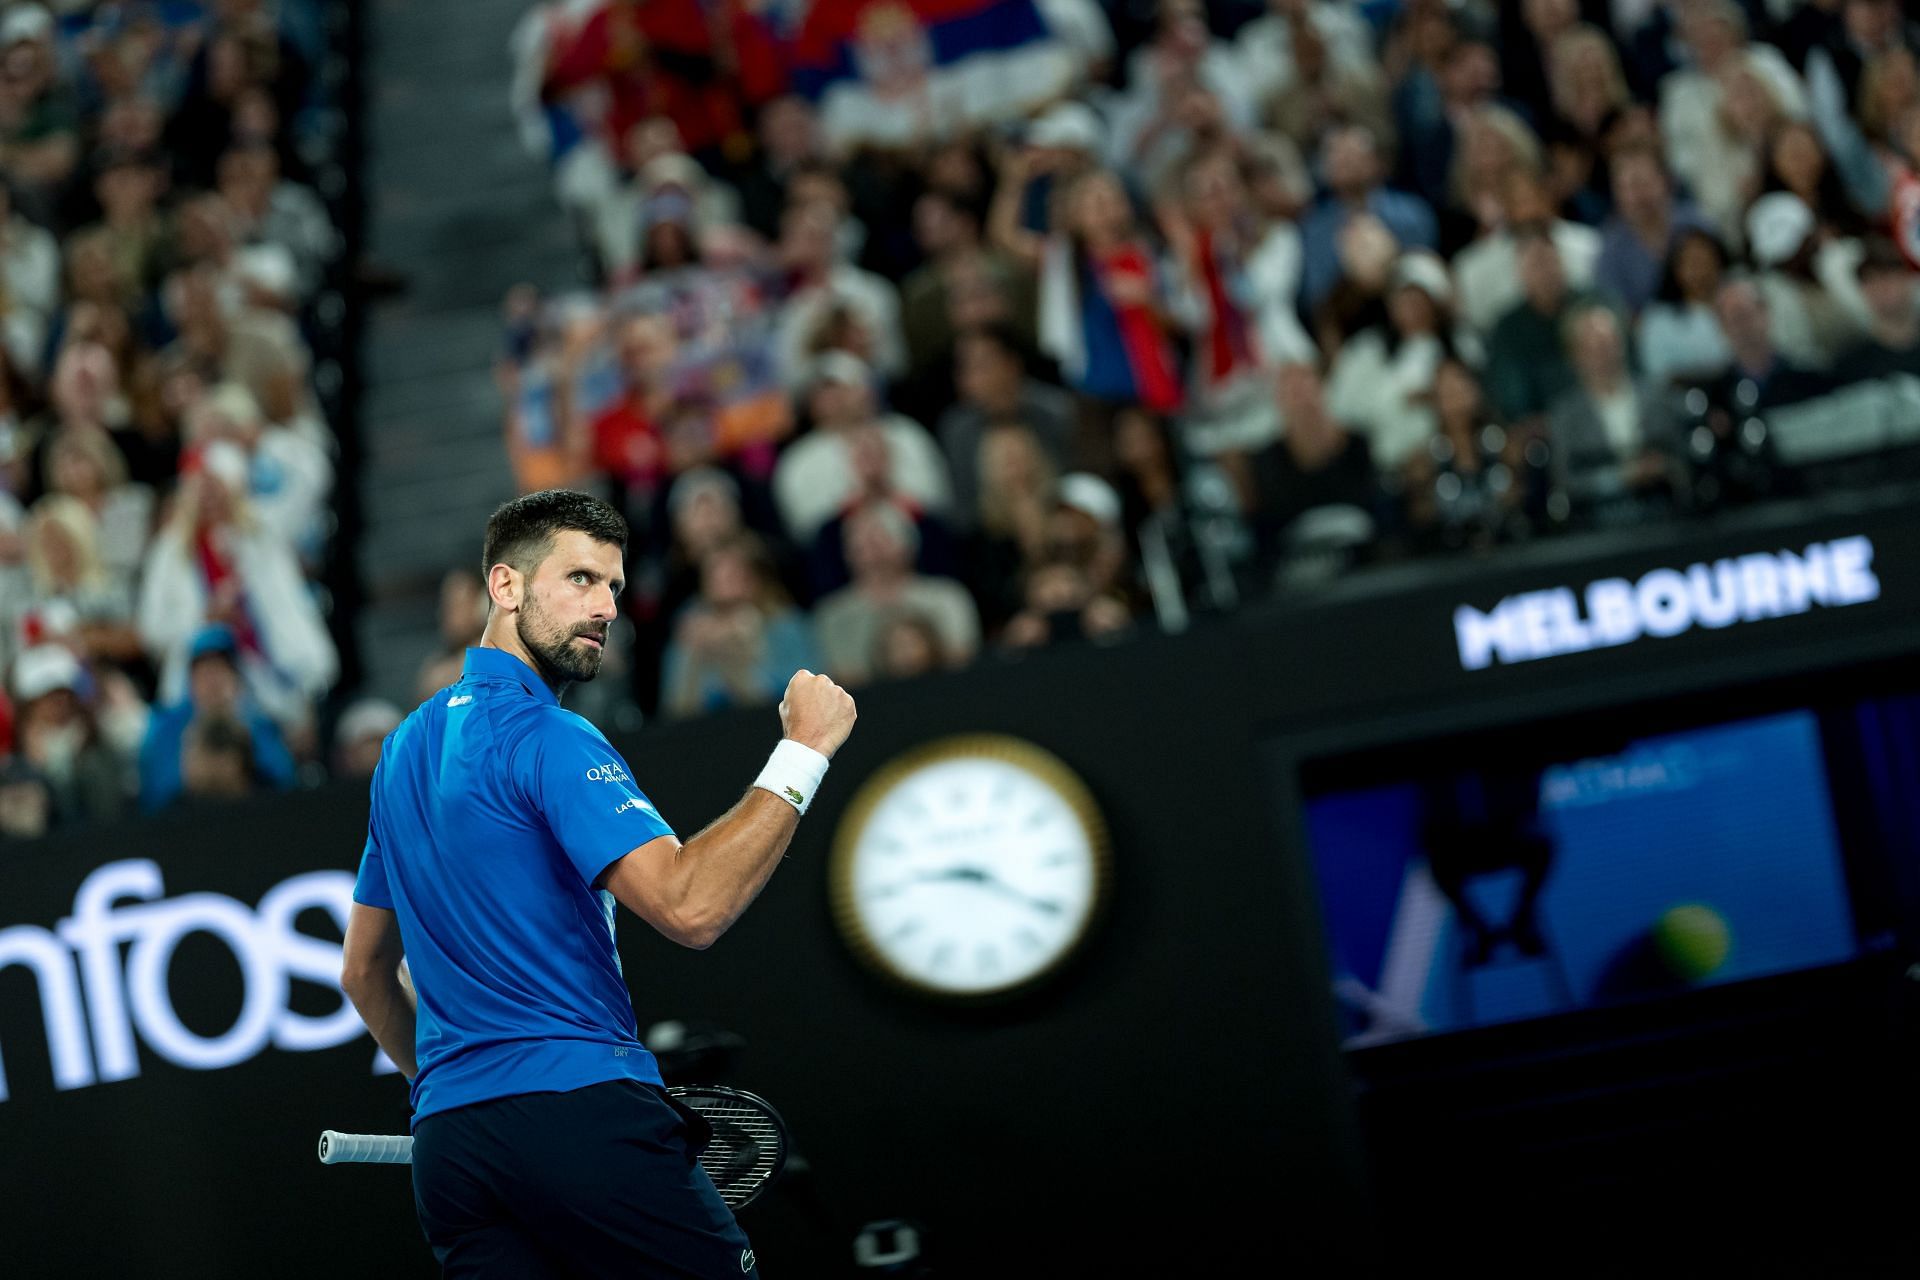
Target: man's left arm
x,y
372,976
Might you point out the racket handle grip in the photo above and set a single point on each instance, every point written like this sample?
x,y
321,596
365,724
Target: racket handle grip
x,y
365,1148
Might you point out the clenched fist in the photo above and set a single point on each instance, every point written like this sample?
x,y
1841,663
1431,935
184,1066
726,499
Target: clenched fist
x,y
816,712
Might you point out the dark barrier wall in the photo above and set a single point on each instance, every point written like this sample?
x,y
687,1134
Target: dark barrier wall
x,y
1175,1098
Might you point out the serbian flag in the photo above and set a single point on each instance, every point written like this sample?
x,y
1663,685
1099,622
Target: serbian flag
x,y
902,72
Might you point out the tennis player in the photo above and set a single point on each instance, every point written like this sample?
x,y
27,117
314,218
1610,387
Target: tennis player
x,y
503,831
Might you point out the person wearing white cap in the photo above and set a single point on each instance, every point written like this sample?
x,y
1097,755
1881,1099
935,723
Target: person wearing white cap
x,y
39,146
358,736
1810,287
57,736
1381,383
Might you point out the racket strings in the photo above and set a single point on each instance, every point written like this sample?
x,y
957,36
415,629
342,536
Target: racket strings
x,y
745,1150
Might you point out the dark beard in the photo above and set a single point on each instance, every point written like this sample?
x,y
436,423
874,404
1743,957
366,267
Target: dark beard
x,y
551,647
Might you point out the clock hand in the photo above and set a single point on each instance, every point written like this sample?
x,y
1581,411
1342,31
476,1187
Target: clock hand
x,y
970,875
1001,887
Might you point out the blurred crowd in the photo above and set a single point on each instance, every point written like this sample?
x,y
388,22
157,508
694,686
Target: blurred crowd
x,y
920,328
166,458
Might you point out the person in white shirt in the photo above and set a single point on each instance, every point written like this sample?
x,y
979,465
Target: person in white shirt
x,y
215,561
815,477
1381,384
30,267
1486,274
825,284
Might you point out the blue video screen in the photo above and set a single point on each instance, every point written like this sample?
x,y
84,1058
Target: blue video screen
x,y
1494,890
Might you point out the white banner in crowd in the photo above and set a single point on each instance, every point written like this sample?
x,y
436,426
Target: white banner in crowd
x,y
102,973
1666,602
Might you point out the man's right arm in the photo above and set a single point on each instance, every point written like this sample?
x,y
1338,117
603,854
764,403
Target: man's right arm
x,y
693,892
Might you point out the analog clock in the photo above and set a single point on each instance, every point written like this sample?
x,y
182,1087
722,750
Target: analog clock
x,y
969,867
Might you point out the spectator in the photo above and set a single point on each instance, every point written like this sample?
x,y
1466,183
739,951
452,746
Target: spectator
x,y
1084,529
1105,307
1062,607
1495,147
1528,32
1729,82
815,479
1589,91
1797,162
69,591
1017,492
128,186
1317,463
1382,381
1182,60
789,137
26,801
362,731
1245,269
268,210
289,478
30,262
740,641
881,544
1891,344
933,301
1354,179
1272,48
463,616
59,739
1806,283
1638,239
214,691
1758,376
1615,444
822,285
1464,488
1680,339
657,58
994,389
1527,366
908,645
216,762
214,561
39,123
871,464
1486,273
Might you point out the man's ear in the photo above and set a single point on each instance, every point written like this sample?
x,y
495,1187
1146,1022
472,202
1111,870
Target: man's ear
x,y
505,587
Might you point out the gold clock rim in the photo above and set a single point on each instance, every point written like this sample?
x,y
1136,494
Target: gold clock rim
x,y
1047,767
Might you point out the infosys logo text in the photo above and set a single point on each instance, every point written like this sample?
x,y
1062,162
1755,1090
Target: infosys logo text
x,y
118,946
1666,602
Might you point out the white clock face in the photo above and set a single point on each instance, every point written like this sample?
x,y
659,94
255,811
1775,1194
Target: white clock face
x,y
971,875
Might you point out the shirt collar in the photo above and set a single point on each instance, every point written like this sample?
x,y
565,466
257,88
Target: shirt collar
x,y
498,664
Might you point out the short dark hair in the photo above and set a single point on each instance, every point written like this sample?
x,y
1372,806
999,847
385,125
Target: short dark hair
x,y
521,532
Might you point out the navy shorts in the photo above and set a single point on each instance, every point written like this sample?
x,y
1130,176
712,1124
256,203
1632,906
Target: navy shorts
x,y
600,1181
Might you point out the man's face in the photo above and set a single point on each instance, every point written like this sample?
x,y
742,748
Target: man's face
x,y
567,604
214,684
985,373
1743,314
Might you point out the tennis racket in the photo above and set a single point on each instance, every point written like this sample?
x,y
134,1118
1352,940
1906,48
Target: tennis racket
x,y
745,1153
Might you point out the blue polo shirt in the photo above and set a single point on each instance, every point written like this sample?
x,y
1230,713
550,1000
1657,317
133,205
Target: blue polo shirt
x,y
494,811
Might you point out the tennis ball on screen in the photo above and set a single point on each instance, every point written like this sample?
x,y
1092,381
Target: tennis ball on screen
x,y
1693,940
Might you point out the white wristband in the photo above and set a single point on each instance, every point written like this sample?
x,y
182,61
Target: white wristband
x,y
793,772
